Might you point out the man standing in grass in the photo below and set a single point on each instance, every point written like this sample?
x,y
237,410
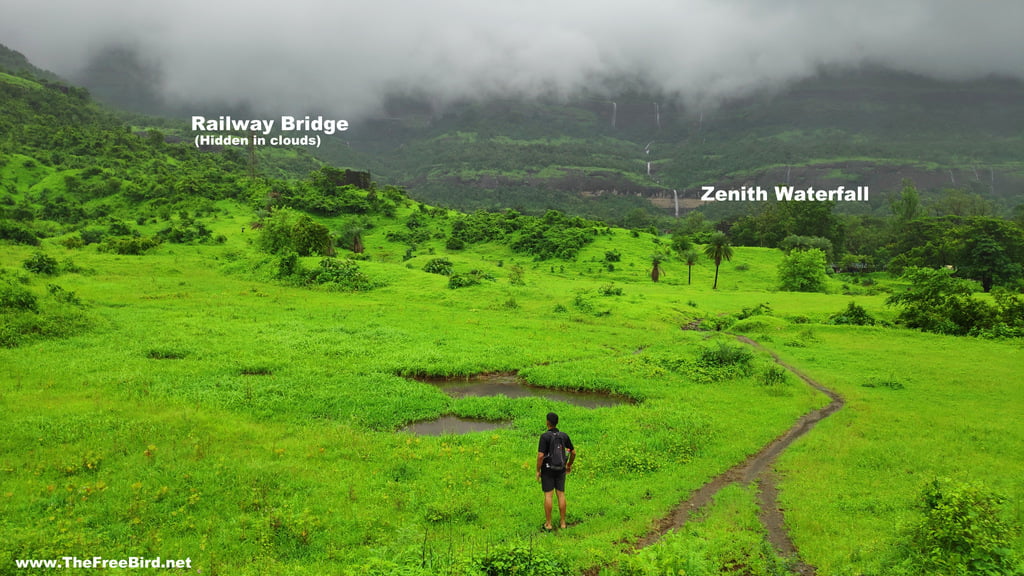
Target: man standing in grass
x,y
553,465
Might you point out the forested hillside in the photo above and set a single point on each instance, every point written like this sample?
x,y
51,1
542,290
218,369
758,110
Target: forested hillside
x,y
607,155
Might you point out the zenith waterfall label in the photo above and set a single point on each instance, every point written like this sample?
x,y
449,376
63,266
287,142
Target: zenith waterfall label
x,y
786,194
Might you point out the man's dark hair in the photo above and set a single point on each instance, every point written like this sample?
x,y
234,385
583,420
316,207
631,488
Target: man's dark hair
x,y
552,418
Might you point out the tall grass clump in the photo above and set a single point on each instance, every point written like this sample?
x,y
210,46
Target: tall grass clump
x,y
722,361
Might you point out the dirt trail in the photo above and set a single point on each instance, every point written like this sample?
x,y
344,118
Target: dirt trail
x,y
756,468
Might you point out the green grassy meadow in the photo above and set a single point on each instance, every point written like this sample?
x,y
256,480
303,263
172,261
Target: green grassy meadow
x,y
951,412
201,409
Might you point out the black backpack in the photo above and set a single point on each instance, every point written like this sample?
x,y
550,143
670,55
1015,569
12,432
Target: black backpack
x,y
556,455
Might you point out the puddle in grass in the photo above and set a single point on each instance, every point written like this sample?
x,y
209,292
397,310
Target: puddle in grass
x,y
494,384
508,384
452,425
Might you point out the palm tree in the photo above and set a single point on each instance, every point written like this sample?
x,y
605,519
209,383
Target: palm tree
x,y
656,267
718,249
352,236
691,257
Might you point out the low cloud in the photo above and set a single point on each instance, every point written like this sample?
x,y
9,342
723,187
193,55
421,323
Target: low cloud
x,y
345,57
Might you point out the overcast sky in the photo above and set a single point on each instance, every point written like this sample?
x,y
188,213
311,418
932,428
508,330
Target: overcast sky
x,y
342,55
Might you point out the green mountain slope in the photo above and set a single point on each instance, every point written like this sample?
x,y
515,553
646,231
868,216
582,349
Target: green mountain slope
x,y
606,156
870,127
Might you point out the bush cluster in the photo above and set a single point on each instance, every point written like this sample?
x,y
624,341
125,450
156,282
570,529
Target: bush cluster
x,y
442,266
519,561
553,235
343,275
41,263
471,278
961,531
853,314
935,301
129,245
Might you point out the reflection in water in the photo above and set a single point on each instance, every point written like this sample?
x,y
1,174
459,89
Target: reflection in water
x,y
452,425
508,384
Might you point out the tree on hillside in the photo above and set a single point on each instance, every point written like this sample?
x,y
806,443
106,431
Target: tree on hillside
x,y
286,230
794,242
681,242
956,202
1018,214
935,301
310,237
276,232
656,261
718,249
352,237
691,257
907,205
812,219
695,226
803,271
991,251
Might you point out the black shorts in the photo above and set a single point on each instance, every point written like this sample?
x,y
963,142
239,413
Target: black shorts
x,y
550,480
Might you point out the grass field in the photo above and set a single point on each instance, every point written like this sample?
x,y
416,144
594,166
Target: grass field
x,y
205,411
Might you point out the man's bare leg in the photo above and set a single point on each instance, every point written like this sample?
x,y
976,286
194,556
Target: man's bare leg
x,y
548,505
561,507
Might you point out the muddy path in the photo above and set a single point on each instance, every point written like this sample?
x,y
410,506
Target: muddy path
x,y
756,468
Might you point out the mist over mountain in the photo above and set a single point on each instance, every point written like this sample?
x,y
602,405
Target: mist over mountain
x,y
347,58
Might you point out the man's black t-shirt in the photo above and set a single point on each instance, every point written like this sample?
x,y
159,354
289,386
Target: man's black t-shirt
x,y
545,444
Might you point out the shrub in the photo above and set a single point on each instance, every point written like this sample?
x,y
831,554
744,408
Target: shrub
x,y
63,296
92,235
934,301
442,266
288,265
471,278
276,232
129,245
15,297
68,266
72,242
853,314
762,309
341,274
311,238
773,376
961,532
40,263
519,561
581,303
723,355
803,271
515,275
183,232
610,290
17,233
612,256
24,321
